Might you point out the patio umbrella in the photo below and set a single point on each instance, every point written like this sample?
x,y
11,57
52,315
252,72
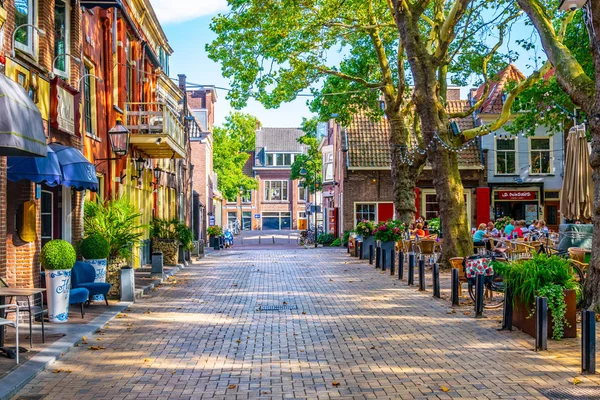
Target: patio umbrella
x,y
577,191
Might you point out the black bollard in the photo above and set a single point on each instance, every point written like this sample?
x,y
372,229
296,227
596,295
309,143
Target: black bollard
x,y
411,269
436,280
541,323
421,274
588,342
507,312
383,259
392,262
401,266
378,257
359,250
479,295
455,283
371,254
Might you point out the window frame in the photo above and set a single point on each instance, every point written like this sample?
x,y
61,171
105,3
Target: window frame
x,y
468,202
63,74
267,189
549,151
302,199
497,152
356,205
28,48
89,90
278,159
51,214
246,198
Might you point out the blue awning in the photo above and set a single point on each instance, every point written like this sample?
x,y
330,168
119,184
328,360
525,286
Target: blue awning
x,y
101,3
35,169
77,171
21,127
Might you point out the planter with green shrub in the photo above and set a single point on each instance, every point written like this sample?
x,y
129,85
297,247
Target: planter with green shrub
x,y
387,234
57,259
366,229
214,233
95,250
325,239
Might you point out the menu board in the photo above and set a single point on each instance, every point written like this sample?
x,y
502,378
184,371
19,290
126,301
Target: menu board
x,y
531,213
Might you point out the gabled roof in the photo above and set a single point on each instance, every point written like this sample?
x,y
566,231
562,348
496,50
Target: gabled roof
x,y
247,169
494,102
280,140
368,140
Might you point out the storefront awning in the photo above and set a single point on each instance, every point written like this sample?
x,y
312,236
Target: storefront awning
x,y
101,3
77,171
21,128
35,169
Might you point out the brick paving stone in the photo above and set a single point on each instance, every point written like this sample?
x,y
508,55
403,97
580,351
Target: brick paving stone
x,y
200,334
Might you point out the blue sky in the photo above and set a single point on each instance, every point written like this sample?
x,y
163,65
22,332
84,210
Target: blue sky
x,y
186,24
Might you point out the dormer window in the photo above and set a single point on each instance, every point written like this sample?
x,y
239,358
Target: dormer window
x,y
279,159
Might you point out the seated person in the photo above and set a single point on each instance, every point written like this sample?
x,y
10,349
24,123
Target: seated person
x,y
542,228
508,229
419,231
479,237
533,225
492,231
518,231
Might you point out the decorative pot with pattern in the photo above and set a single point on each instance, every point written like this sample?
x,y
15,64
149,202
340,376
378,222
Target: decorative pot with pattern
x,y
100,268
58,286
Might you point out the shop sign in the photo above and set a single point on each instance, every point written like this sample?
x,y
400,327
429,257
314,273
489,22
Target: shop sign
x,y
510,195
256,216
211,220
64,113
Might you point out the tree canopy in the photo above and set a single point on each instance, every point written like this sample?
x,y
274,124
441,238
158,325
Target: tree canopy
x,y
311,162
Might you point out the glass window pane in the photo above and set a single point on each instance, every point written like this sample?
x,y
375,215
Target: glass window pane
x,y
269,159
22,17
287,159
511,165
279,159
501,162
284,190
60,35
540,144
504,144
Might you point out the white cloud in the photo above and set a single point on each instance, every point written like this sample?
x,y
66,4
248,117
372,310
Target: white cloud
x,y
172,11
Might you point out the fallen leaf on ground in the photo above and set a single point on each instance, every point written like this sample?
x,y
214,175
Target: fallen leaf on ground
x,y
232,386
99,339
576,381
84,338
467,313
96,348
238,341
335,384
173,372
444,389
303,312
147,360
284,303
372,347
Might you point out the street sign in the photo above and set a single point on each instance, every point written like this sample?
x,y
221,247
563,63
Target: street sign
x,y
257,216
211,220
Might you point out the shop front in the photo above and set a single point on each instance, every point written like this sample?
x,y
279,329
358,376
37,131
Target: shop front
x,y
518,203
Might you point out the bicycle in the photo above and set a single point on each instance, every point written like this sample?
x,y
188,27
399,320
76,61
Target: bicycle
x,y
492,284
306,238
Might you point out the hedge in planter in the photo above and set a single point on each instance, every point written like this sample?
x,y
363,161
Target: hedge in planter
x,y
57,259
95,249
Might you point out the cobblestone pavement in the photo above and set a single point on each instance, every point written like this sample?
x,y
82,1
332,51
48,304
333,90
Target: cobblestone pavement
x,y
356,334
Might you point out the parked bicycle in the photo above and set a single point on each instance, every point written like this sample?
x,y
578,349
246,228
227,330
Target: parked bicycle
x,y
306,238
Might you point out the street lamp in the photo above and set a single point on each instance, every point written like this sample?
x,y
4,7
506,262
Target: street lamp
x,y
139,166
119,142
41,32
76,59
241,220
304,172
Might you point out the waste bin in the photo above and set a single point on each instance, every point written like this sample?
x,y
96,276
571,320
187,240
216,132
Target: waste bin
x,y
128,284
157,262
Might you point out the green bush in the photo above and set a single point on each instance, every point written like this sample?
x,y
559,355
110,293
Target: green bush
x,y
345,238
185,236
336,243
58,254
434,225
325,238
164,228
214,230
94,247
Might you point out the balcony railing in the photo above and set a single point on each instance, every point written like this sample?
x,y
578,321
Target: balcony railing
x,y
155,130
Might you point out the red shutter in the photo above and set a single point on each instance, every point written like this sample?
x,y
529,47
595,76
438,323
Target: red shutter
x,y
418,202
385,211
483,205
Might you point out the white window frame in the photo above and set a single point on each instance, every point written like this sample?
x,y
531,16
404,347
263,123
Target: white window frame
x,y
305,197
468,202
51,213
58,72
268,190
549,151
67,214
243,197
274,159
30,46
516,151
302,215
374,203
328,164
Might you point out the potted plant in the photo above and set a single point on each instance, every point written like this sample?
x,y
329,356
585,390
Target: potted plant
x,y
186,241
95,250
214,232
57,259
366,230
542,276
387,234
165,239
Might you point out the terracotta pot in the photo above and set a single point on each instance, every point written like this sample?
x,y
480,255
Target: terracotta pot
x,y
521,312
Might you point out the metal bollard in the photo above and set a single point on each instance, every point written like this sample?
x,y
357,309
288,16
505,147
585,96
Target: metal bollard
x,y
422,274
273,239
371,254
436,281
392,262
479,295
455,283
588,342
359,250
259,240
541,323
401,266
507,312
378,257
411,269
383,259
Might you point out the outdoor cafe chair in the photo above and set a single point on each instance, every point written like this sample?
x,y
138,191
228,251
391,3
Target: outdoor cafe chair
x,y
83,276
32,310
426,248
15,324
458,263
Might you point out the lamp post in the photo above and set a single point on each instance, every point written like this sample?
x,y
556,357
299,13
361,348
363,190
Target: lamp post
x,y
76,59
241,220
304,172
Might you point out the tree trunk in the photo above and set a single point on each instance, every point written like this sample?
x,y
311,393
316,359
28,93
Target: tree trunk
x,y
404,176
592,280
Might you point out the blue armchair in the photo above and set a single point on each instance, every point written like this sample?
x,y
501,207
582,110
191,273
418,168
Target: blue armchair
x,y
79,296
83,276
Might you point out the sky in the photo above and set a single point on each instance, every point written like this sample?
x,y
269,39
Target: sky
x,y
186,24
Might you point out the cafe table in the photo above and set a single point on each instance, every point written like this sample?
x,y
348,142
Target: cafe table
x,y
13,292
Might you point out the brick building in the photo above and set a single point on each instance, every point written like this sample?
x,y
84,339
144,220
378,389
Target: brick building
x,y
366,187
280,202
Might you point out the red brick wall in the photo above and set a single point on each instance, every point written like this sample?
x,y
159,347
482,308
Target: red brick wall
x,y
292,204
3,217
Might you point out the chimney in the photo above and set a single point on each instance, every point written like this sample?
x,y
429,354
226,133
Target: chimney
x,y
182,82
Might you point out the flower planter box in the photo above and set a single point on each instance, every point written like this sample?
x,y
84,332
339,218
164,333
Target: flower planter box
x,y
366,242
100,268
58,285
521,312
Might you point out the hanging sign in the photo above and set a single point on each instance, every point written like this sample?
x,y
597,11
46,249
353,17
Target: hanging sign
x,y
64,107
509,195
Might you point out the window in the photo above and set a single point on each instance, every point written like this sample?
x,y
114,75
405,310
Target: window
x,y
432,207
247,220
280,159
89,100
366,212
541,155
301,214
276,190
24,15
231,218
247,197
202,118
506,156
302,194
61,38
328,167
46,217
129,61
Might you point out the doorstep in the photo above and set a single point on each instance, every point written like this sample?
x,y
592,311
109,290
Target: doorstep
x,y
145,281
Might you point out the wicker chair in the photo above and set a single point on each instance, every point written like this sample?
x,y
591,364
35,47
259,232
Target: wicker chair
x,y
457,262
426,248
